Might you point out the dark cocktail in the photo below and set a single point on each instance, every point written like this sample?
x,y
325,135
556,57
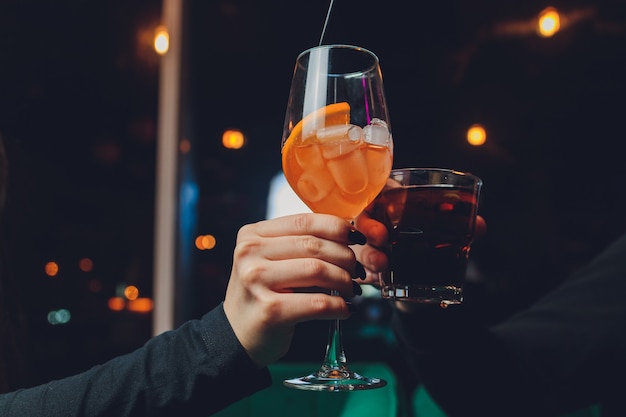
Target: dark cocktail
x,y
430,216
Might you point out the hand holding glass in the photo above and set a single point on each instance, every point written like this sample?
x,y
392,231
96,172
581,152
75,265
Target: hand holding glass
x,y
336,155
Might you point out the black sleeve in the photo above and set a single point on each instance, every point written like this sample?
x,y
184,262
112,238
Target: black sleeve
x,y
559,355
194,370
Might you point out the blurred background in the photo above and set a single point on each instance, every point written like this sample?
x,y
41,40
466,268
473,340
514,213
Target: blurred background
x,y
527,95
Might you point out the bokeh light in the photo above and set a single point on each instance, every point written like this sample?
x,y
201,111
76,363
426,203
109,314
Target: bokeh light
x,y
116,303
184,146
206,242
52,269
476,135
233,139
61,316
85,265
161,40
94,285
131,292
141,305
549,22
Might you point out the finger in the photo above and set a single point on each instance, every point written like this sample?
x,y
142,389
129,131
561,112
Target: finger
x,y
320,225
373,259
301,307
481,227
371,278
296,247
375,232
310,247
291,274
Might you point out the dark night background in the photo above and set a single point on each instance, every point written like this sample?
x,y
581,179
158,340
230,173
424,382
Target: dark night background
x,y
78,107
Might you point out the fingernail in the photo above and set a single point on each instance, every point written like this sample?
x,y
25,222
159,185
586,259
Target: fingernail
x,y
360,271
356,288
351,307
356,237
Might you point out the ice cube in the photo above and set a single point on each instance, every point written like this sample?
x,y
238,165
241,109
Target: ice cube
x,y
341,204
336,132
379,161
309,156
349,172
337,141
313,185
377,133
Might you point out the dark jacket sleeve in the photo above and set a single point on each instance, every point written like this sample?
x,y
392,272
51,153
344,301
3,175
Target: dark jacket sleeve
x,y
563,353
194,370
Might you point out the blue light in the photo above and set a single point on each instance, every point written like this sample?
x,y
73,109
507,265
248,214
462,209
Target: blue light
x,y
62,316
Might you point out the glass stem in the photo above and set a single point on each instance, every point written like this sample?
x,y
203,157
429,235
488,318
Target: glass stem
x,y
335,355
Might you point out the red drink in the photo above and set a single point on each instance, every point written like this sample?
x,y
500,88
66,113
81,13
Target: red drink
x,y
430,231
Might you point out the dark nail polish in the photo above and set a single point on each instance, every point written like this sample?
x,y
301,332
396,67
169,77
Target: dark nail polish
x,y
356,238
351,307
360,271
356,288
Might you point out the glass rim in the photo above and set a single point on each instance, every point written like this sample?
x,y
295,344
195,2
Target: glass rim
x,y
339,46
443,170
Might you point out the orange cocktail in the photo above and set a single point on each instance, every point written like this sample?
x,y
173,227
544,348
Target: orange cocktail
x,y
336,167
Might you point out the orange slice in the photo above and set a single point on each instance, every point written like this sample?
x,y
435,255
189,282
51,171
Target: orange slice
x,y
332,114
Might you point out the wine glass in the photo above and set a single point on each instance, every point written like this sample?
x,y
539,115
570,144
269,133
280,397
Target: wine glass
x,y
337,154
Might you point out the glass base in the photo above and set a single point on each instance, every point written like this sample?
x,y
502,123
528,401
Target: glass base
x,y
334,379
428,294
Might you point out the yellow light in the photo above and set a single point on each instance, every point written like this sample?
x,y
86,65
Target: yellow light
x,y
205,242
131,292
161,40
549,22
476,135
52,269
233,139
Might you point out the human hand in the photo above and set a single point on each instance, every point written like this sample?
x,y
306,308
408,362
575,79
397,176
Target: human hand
x,y
281,269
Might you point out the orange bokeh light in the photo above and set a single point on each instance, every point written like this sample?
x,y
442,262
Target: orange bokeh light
x,y
184,146
52,269
141,305
85,264
116,303
205,242
233,139
131,292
